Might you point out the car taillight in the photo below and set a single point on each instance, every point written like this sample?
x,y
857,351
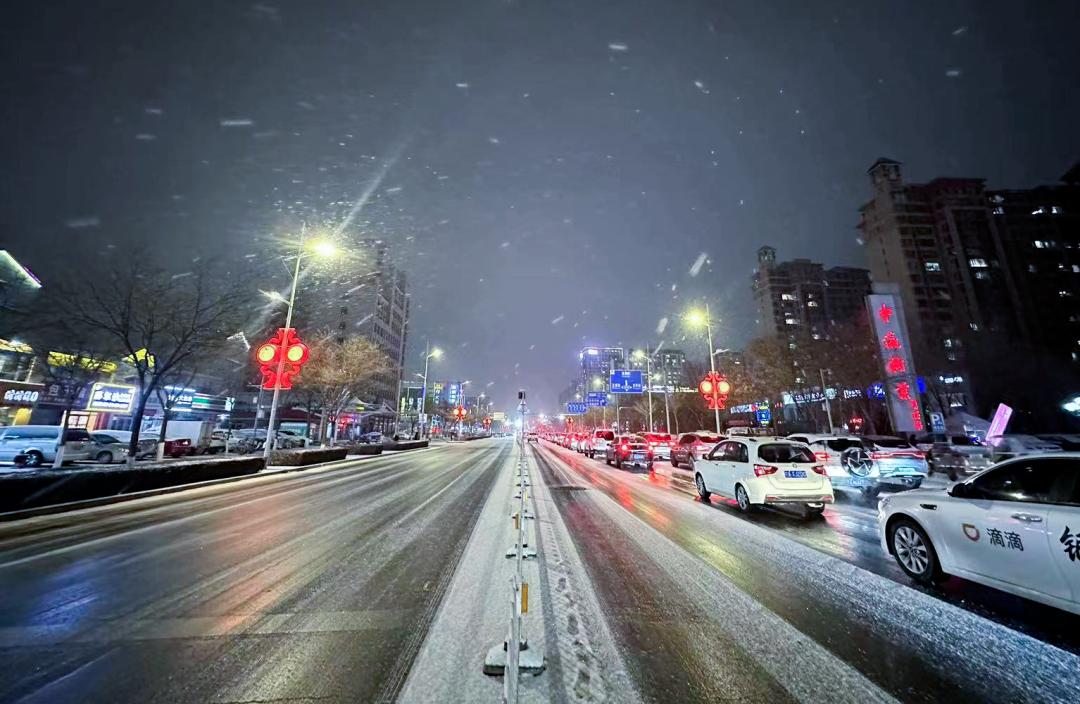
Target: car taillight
x,y
819,469
760,470
624,448
878,455
821,456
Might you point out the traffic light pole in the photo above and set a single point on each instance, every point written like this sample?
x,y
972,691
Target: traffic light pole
x,y
268,447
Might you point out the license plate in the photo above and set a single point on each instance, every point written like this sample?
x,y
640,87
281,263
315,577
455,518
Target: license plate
x,y
794,474
638,455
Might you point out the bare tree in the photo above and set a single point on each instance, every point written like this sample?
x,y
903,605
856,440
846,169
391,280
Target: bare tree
x,y
161,321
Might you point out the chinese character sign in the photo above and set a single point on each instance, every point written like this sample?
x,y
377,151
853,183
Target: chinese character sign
x,y
900,387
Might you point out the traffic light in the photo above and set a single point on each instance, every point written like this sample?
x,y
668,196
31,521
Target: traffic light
x,y
269,356
714,388
460,412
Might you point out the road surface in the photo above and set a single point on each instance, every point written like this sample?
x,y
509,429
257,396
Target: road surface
x,y
314,586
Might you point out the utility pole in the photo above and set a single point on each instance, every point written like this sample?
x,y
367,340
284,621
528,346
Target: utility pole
x,y
268,446
712,360
825,397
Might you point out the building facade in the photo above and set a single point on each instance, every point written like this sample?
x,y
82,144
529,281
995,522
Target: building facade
x,y
596,366
802,298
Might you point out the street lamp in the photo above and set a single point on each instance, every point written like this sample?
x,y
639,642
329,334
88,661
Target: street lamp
x,y
429,354
647,356
319,248
697,318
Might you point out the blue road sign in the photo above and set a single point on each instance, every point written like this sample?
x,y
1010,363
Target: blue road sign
x,y
624,381
764,416
937,423
576,408
596,398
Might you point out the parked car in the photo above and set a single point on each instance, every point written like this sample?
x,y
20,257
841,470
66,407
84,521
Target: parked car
x,y
146,445
35,445
598,442
958,456
1017,445
1014,527
660,443
690,447
532,436
869,463
764,471
630,450
106,448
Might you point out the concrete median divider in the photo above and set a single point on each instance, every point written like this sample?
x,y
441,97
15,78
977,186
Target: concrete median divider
x,y
371,449
27,490
404,445
314,455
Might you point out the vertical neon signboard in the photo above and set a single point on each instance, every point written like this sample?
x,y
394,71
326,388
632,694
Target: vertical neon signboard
x,y
901,386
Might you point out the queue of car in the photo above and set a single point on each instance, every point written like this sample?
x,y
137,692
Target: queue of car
x,y
1010,521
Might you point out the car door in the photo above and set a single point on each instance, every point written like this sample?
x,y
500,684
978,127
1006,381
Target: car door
x,y
710,467
737,456
1063,526
999,528
7,448
76,444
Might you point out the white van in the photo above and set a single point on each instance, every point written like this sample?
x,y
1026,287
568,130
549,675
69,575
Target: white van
x,y
38,443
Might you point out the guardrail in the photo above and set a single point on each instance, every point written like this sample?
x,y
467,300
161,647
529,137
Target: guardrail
x,y
514,655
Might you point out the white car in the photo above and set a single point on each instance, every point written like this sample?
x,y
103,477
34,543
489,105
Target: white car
x,y
870,463
762,471
1014,527
1005,447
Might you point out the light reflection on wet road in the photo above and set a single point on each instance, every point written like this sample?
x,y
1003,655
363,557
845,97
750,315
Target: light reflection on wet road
x,y
908,670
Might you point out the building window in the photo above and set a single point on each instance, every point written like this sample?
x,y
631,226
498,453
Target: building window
x,y
999,210
948,342
811,304
1032,268
974,327
1065,294
791,321
977,263
787,296
1056,210
933,266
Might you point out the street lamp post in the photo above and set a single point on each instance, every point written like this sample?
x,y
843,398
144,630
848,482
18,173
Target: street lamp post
x,y
428,354
707,320
825,398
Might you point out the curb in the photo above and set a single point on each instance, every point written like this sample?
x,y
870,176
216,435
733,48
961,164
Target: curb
x,y
11,516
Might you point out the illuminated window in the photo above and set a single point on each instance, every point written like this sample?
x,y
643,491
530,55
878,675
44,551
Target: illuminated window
x,y
977,263
933,266
812,304
999,211
982,275
787,296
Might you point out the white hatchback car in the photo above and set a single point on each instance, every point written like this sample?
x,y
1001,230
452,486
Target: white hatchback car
x,y
761,471
1015,527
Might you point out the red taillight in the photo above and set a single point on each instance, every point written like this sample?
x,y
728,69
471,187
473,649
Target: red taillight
x,y
624,448
819,469
878,455
760,470
821,456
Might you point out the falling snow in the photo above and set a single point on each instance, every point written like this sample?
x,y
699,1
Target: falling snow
x,y
237,122
695,268
556,321
618,46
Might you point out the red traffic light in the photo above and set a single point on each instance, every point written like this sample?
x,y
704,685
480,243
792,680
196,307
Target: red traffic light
x,y
285,351
715,389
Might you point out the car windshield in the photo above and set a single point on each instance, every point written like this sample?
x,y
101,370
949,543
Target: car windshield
x,y
785,452
537,350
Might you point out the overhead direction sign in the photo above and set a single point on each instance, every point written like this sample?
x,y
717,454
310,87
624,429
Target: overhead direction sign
x,y
627,381
576,408
596,398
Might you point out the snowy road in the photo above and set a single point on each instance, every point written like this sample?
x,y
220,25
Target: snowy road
x,y
707,606
315,586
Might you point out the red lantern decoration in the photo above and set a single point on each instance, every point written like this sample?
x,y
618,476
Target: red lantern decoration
x,y
885,313
284,349
714,388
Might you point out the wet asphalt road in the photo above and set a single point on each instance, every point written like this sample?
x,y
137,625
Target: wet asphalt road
x,y
316,586
680,651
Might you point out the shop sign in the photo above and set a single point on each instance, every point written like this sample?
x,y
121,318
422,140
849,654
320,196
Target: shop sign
x,y
111,398
14,393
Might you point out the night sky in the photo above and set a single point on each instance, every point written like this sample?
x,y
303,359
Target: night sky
x,y
548,172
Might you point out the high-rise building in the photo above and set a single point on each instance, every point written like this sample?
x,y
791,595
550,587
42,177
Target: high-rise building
x,y
597,363
366,295
1041,235
941,244
802,297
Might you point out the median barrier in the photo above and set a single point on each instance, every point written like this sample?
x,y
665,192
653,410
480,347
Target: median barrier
x,y
404,444
368,449
314,455
24,490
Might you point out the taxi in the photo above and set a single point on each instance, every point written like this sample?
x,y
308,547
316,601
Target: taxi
x,y
1014,527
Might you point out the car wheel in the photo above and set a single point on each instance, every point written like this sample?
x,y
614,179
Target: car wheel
x,y
814,511
743,499
954,476
104,457
914,552
916,484
607,460
674,463
649,467
870,492
701,490
618,463
690,463
34,458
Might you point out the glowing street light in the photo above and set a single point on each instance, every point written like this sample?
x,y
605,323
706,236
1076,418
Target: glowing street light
x,y
697,319
320,248
429,354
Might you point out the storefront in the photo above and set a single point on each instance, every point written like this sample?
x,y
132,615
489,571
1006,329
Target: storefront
x,y
17,400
